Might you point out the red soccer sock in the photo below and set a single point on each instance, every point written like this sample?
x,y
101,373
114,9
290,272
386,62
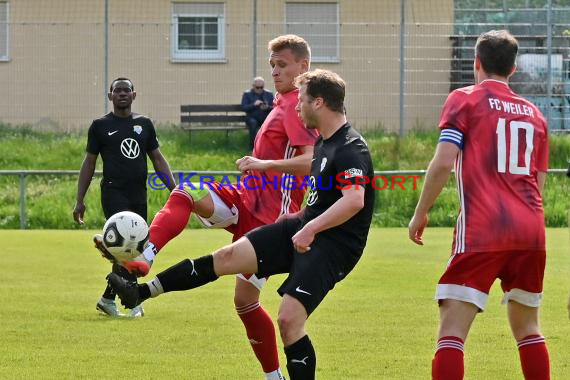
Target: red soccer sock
x,y
447,363
171,220
534,358
261,333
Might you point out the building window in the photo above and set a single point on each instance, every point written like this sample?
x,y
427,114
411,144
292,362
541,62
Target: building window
x,y
318,23
198,32
4,31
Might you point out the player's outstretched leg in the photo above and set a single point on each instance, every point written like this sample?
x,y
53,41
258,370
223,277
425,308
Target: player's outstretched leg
x,y
168,223
258,324
188,274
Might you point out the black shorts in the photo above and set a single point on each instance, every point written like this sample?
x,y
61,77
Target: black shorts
x,y
311,274
114,200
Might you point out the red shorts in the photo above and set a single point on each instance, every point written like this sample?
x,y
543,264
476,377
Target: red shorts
x,y
470,275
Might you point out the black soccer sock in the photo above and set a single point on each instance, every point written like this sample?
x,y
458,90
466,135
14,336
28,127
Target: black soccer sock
x,y
124,273
109,293
301,359
188,274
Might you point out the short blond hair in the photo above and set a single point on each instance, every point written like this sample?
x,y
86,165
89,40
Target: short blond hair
x,y
298,45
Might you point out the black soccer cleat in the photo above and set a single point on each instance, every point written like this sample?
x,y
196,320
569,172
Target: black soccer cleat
x,y
127,291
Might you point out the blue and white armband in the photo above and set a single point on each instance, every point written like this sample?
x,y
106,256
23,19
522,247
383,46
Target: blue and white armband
x,y
452,135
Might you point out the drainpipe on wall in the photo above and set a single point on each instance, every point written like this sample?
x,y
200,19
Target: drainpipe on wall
x,y
402,65
254,42
106,75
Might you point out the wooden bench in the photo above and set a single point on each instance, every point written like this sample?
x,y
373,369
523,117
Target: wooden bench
x,y
212,117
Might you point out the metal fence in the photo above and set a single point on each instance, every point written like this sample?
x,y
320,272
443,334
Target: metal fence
x,y
24,174
400,58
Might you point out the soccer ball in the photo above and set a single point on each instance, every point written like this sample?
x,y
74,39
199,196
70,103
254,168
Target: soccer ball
x,y
125,235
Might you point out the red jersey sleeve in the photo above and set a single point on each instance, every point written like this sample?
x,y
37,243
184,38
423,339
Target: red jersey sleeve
x,y
454,113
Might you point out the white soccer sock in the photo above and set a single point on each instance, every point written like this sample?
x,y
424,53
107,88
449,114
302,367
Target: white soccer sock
x,y
275,375
155,287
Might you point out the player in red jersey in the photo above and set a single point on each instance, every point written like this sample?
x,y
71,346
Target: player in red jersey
x,y
498,144
272,177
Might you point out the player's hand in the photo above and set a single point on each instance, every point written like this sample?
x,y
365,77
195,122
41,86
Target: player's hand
x,y
257,103
416,228
78,212
303,239
249,163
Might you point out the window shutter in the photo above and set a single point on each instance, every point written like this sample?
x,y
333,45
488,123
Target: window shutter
x,y
318,24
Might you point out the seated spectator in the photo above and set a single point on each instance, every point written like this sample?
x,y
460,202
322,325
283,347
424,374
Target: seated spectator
x,y
256,103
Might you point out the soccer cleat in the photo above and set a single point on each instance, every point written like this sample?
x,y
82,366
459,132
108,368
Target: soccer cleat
x,y
100,245
139,266
108,307
136,312
127,291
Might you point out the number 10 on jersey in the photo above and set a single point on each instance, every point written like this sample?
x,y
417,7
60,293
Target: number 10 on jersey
x,y
514,127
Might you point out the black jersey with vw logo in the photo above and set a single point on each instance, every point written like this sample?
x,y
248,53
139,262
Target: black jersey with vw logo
x,y
123,144
338,162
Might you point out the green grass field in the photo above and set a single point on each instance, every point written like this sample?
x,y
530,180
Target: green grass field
x,y
377,324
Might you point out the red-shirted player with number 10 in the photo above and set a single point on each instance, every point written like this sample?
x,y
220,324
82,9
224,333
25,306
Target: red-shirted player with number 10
x,y
498,144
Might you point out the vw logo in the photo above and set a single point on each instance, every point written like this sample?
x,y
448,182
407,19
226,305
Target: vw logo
x,y
312,198
130,148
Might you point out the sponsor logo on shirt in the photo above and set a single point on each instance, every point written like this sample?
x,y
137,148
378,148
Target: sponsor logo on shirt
x,y
350,173
130,148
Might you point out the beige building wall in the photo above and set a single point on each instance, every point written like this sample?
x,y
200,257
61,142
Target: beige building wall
x,y
56,67
55,62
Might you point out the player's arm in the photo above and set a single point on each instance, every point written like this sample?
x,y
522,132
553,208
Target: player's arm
x,y
161,166
436,178
299,165
351,202
85,175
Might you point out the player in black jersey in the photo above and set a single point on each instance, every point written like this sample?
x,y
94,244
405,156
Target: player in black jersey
x,y
123,139
318,246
